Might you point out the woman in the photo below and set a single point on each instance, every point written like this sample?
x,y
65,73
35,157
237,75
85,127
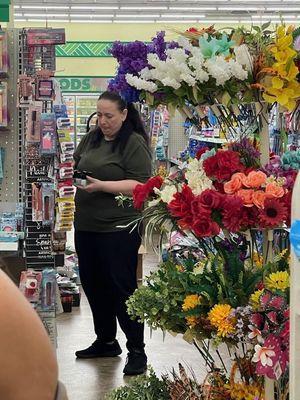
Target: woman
x,y
117,157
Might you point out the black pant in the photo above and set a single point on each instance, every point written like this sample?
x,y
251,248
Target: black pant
x,y
107,267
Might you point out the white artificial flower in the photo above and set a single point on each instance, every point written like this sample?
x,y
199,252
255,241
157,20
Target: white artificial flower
x,y
189,79
145,73
167,193
185,43
153,59
171,82
255,334
141,84
263,354
153,202
219,69
243,57
237,70
196,177
177,54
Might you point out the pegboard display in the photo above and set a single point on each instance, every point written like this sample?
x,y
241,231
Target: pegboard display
x,y
177,139
10,188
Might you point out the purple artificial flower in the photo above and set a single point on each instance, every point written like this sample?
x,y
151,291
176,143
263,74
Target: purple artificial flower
x,y
249,154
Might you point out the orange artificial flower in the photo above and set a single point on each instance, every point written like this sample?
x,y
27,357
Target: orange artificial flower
x,y
247,196
274,190
259,197
235,183
255,179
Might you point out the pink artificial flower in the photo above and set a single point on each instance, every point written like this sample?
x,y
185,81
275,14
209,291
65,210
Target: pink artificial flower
x,y
255,334
263,355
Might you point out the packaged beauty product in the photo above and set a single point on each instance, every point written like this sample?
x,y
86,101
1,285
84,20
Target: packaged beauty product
x,y
48,289
33,131
30,285
48,134
80,177
25,90
37,202
48,203
45,36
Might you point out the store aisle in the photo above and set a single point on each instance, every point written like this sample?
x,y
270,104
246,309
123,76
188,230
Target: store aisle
x,y
91,379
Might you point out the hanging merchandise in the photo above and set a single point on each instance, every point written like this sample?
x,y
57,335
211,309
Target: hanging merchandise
x,y
25,90
159,131
3,54
3,105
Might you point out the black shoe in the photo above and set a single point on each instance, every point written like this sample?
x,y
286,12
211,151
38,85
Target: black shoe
x,y
136,363
100,349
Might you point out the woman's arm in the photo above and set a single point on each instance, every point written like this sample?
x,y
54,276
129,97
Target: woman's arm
x,y
125,186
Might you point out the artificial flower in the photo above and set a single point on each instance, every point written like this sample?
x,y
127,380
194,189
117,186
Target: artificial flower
x,y
233,213
142,192
255,297
180,207
190,302
204,226
255,334
222,165
166,194
196,177
247,196
220,317
255,179
273,190
192,321
210,199
258,198
263,355
273,214
278,281
235,183
244,57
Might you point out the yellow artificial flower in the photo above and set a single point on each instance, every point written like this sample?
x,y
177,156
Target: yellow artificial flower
x,y
258,260
190,302
220,317
179,268
162,171
255,297
278,281
192,321
242,391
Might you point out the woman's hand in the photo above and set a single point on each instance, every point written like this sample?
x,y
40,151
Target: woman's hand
x,y
93,185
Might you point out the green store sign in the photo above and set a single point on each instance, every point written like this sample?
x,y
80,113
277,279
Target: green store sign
x,y
4,10
83,84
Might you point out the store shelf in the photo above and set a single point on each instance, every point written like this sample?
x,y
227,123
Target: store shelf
x,y
9,246
208,139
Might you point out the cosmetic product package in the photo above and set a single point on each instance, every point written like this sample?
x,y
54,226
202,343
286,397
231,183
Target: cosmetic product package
x,y
48,289
45,36
3,54
60,110
3,105
66,171
8,222
44,89
48,134
30,285
25,90
37,202
48,202
33,131
80,177
65,135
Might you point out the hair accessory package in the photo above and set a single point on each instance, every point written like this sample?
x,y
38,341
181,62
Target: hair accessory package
x,y
30,285
48,290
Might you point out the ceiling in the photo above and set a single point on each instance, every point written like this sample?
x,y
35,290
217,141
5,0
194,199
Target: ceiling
x,y
152,11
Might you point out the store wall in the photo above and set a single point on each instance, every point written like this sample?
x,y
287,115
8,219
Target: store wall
x,y
102,66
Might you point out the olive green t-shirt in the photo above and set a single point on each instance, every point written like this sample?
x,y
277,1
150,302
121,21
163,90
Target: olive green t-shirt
x,y
99,211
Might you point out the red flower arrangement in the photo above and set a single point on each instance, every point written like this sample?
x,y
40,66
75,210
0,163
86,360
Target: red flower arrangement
x,y
273,213
222,165
142,192
181,207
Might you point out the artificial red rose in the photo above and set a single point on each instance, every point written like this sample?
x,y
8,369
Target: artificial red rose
x,y
198,209
181,206
204,226
219,187
222,165
233,213
211,199
201,151
141,192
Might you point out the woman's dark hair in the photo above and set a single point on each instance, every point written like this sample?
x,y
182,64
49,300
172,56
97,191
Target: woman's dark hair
x,y
133,122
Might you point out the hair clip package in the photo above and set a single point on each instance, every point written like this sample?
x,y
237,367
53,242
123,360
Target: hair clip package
x,y
33,131
48,203
48,290
48,134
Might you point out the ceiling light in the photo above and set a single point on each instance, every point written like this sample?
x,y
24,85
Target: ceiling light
x,y
192,21
45,7
20,20
246,8
95,8
283,8
92,16
58,21
204,8
137,16
221,21
144,8
91,21
18,15
183,16
134,22
46,15
16,6
275,16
